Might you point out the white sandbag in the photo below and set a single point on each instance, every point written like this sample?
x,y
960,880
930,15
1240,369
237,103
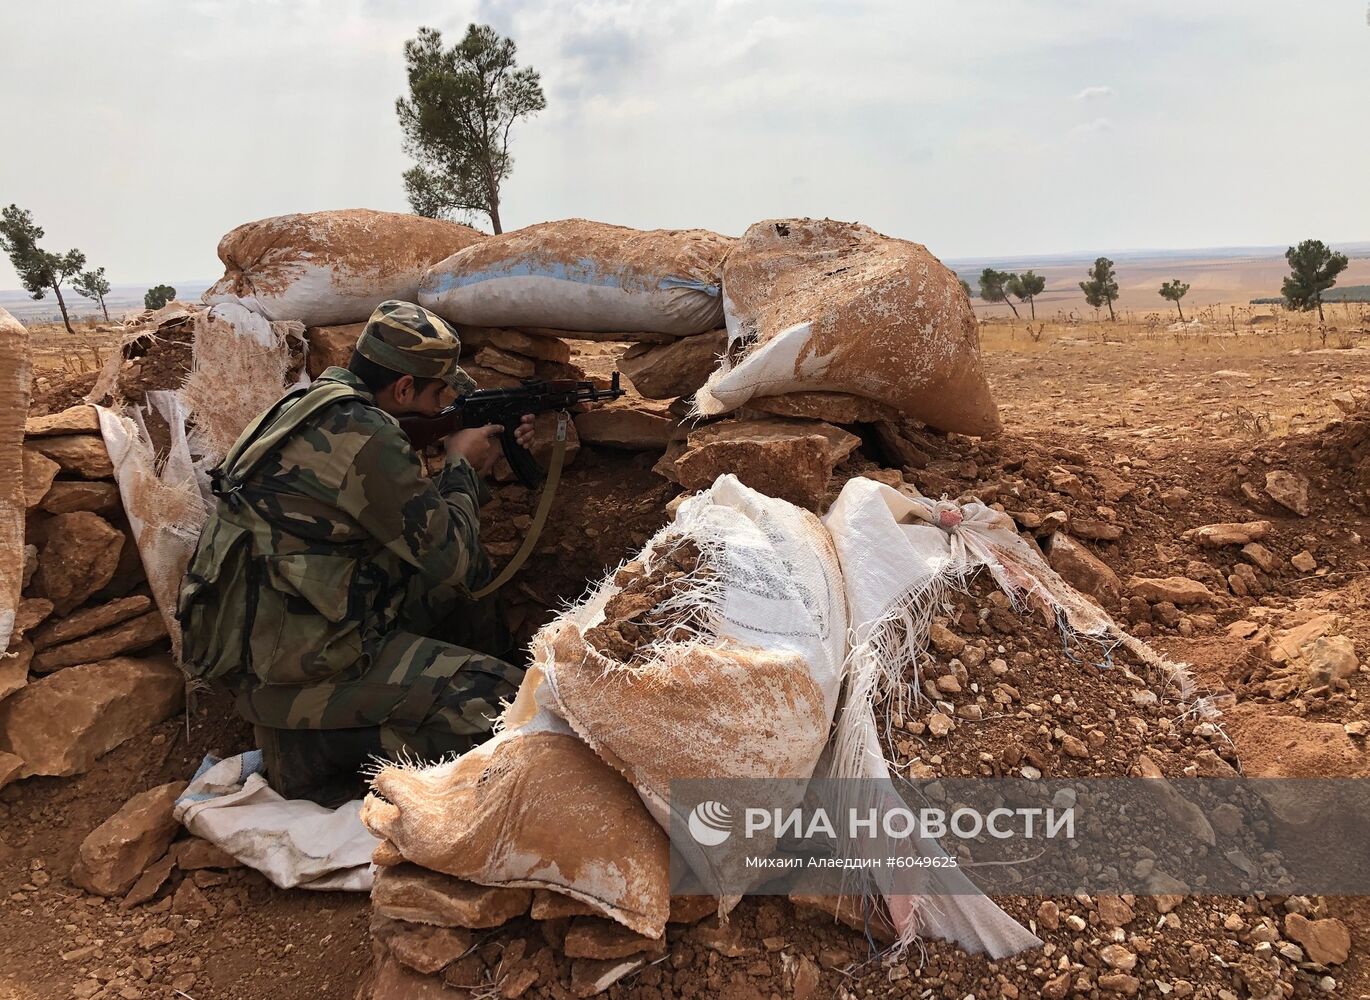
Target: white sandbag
x,y
163,500
581,275
819,305
16,374
532,808
322,268
900,553
239,362
296,844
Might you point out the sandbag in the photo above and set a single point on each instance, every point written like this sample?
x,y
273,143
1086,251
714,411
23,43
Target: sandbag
x,y
322,268
823,305
16,374
581,275
532,808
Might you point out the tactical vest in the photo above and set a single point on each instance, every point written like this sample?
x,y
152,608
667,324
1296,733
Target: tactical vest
x,y
243,607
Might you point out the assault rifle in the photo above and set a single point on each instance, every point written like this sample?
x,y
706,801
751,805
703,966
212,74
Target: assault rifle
x,y
507,407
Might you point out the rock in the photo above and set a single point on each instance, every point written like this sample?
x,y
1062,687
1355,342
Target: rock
x,y
189,901
80,557
1096,530
423,948
1358,729
14,668
505,362
1327,942
69,495
417,895
691,909
1114,911
1075,747
156,937
551,349
1289,490
134,634
88,620
1178,590
806,978
82,455
939,725
1330,658
833,407
195,854
30,564
62,723
1117,956
1261,557
1048,915
1214,536
621,427
1303,561
590,977
1084,571
1183,813
598,937
117,851
1057,986
896,444
330,346
39,473
790,459
74,420
31,613
944,640
150,882
1064,481
11,766
390,979
669,370
1120,982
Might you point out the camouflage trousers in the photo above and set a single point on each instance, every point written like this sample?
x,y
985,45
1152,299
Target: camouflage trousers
x,y
426,691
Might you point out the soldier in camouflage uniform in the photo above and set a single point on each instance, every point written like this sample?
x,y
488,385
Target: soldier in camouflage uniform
x,y
330,587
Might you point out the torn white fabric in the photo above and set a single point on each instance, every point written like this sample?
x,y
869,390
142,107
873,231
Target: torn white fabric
x,y
164,502
296,844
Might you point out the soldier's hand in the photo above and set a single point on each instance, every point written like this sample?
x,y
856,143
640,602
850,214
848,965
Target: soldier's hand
x,y
523,433
478,445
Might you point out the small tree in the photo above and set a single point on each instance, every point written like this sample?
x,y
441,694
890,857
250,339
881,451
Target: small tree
x,y
39,271
992,287
1026,287
462,103
1313,270
93,285
158,296
1174,291
1102,287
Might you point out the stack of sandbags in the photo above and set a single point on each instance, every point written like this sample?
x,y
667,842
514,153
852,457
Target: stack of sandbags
x,y
733,614
85,666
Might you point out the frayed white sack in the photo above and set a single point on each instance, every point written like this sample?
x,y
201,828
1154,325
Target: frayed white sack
x,y
164,503
900,554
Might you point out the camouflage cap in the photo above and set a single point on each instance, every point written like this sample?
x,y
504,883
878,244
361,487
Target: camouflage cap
x,y
407,338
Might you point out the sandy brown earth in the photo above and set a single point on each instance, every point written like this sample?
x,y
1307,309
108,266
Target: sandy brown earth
x,y
1183,423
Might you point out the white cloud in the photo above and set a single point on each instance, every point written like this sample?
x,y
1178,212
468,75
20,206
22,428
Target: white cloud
x,y
1096,93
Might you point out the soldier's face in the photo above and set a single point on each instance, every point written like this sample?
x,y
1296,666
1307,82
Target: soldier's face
x,y
407,396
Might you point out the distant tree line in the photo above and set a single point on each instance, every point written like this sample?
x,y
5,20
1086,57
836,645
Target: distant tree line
x,y
1313,270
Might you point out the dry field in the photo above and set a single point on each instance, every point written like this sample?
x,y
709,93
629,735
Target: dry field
x,y
1186,419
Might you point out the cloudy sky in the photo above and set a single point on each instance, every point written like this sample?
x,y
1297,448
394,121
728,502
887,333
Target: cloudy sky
x,y
142,130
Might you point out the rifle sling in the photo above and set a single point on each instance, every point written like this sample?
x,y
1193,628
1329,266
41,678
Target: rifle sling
x,y
549,491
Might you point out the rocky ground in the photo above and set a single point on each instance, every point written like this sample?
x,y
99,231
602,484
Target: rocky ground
x,y
1212,493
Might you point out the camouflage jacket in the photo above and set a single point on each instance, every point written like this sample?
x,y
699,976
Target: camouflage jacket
x,y
325,545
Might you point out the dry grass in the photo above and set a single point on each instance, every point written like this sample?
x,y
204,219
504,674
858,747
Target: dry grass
x,y
57,352
1238,331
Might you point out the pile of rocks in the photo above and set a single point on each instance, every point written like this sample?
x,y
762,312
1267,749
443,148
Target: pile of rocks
x,y
426,936
85,607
